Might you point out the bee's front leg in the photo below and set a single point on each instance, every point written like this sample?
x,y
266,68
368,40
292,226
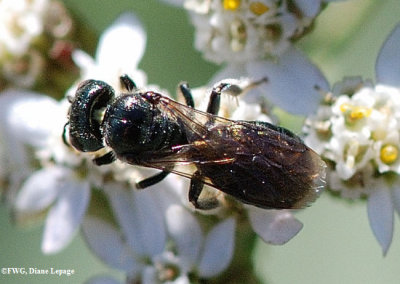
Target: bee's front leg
x,y
127,83
185,91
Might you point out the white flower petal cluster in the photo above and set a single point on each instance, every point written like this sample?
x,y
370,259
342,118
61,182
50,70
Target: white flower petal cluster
x,y
150,227
361,131
119,51
60,179
359,136
357,131
255,40
243,30
24,26
21,23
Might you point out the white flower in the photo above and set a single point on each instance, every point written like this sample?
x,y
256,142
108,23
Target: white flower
x,y
23,26
63,181
28,127
21,22
357,130
140,248
243,30
24,124
255,39
120,49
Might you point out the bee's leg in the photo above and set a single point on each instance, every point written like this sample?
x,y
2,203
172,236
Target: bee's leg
x,y
233,89
215,98
127,83
196,187
151,180
107,158
184,89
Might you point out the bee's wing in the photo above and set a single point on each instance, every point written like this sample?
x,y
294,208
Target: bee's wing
x,y
256,162
259,150
205,145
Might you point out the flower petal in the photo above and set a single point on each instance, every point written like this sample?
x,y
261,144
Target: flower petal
x,y
65,216
183,279
218,249
186,232
309,8
380,215
82,60
40,190
24,121
149,275
231,71
140,218
274,226
293,78
107,243
387,64
122,45
25,116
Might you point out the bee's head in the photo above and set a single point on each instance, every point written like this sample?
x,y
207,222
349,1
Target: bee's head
x,y
86,114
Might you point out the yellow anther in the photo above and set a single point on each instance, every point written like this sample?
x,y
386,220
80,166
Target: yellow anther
x,y
354,113
389,154
258,8
231,4
359,112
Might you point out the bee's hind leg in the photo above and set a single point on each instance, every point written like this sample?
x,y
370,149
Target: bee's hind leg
x,y
196,187
151,180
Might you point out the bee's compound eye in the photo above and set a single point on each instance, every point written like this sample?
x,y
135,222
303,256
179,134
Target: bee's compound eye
x,y
84,122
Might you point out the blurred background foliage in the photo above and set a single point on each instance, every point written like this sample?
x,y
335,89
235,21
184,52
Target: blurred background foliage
x,y
336,244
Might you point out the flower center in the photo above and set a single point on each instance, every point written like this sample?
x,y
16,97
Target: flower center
x,y
389,154
231,4
354,113
258,8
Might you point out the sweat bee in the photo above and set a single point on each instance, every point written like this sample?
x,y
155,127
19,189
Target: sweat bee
x,y
256,162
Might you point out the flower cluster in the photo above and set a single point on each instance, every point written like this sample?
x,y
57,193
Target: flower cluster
x,y
356,130
31,34
243,30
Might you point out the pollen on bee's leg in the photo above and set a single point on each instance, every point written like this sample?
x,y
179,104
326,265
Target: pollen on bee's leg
x,y
206,204
208,199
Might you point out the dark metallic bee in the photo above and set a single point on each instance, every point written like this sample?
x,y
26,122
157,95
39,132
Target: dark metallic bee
x,y
256,162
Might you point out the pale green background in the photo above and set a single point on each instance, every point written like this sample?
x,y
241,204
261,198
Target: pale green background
x,y
336,244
